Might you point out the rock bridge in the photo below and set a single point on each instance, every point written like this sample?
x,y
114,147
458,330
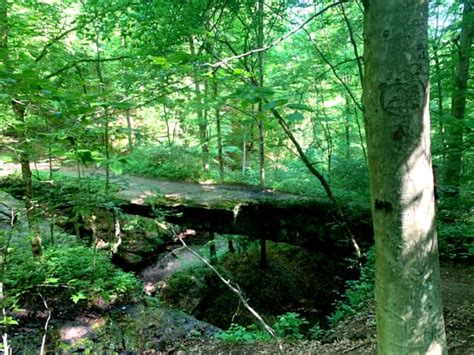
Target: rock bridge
x,y
258,214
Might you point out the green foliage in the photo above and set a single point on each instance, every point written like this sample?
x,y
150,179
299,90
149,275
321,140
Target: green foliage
x,y
316,332
289,326
76,271
455,224
237,333
358,292
169,162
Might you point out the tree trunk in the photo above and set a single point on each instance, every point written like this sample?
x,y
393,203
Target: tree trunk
x,y
347,126
4,33
129,130
244,154
106,116
260,122
220,156
168,133
455,131
200,111
439,99
203,129
19,109
396,98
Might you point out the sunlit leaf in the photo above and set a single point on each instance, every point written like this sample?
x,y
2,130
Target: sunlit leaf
x,y
274,103
295,116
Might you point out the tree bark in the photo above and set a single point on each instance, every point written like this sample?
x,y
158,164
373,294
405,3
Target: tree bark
x,y
220,156
455,130
396,98
260,122
19,109
129,130
200,112
4,32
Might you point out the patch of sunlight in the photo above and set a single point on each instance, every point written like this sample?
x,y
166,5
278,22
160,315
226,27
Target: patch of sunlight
x,y
334,102
73,333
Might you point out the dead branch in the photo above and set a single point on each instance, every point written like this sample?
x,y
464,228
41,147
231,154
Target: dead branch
x,y
43,341
234,288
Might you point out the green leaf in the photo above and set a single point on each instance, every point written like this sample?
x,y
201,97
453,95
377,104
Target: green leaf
x,y
78,296
295,116
85,156
300,107
161,61
52,280
264,91
116,167
122,105
6,158
8,321
274,103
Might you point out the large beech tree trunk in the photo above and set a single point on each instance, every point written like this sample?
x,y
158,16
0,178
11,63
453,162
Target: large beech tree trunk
x,y
395,96
455,131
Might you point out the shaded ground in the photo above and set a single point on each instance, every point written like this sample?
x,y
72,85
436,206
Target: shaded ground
x,y
356,335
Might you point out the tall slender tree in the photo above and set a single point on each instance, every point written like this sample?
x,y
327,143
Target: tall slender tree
x,y
455,132
260,71
396,97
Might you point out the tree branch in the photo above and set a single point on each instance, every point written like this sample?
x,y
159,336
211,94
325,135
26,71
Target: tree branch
x,y
336,74
277,41
339,218
354,44
60,36
86,60
234,288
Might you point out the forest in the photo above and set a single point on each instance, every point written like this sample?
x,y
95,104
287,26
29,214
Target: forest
x,y
237,176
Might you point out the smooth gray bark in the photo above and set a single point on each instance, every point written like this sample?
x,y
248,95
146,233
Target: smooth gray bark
x,y
396,97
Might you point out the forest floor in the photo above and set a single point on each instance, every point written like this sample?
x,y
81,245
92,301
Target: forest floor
x,y
356,335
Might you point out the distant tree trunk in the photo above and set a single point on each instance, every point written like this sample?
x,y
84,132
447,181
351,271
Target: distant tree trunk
x,y
19,109
244,154
359,130
106,115
204,128
129,130
220,156
347,126
396,102
200,111
212,248
439,99
4,33
168,133
260,121
455,131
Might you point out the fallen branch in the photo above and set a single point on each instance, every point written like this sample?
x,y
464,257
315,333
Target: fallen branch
x,y
356,347
43,342
234,288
